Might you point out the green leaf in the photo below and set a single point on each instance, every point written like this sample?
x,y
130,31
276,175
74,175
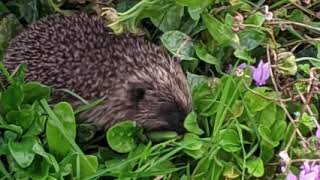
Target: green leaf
x,y
220,32
158,136
28,9
268,115
251,38
317,45
298,16
244,55
58,144
189,26
204,55
22,151
255,167
279,130
229,140
191,142
84,170
9,27
121,136
237,108
178,44
231,171
38,149
195,81
266,153
308,121
194,3
266,136
256,19
12,97
168,21
23,118
195,12
196,154
3,8
255,102
191,124
35,91
37,126
39,169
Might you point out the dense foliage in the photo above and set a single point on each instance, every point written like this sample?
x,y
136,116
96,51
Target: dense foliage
x,y
252,67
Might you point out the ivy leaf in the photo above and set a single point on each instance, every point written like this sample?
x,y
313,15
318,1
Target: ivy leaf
x,y
251,38
178,44
168,21
219,31
204,55
244,55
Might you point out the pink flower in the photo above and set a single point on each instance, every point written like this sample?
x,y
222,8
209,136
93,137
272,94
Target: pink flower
x,y
291,176
318,133
309,172
260,73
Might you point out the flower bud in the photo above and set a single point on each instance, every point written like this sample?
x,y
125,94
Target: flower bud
x,y
287,63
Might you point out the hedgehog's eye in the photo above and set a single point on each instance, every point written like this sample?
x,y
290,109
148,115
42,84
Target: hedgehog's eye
x,y
137,94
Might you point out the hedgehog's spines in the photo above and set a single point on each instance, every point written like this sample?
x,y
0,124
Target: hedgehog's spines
x,y
80,53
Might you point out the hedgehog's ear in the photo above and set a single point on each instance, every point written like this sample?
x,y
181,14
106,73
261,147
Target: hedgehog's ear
x,y
137,94
177,59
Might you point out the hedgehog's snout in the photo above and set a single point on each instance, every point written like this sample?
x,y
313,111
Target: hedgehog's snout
x,y
172,115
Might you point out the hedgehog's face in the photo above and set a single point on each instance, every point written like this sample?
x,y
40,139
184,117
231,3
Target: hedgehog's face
x,y
156,110
160,106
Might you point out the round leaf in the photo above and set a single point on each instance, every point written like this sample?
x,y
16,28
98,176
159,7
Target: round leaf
x,y
121,136
255,167
191,142
191,124
22,152
230,140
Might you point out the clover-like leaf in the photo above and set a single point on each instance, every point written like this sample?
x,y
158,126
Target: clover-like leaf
x,y
191,124
229,140
121,137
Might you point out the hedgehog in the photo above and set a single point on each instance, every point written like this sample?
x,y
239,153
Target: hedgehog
x,y
137,79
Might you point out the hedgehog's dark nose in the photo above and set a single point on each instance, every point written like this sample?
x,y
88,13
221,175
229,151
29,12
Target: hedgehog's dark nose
x,y
174,118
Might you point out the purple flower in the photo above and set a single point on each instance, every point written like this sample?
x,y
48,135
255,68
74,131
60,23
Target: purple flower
x,y
291,176
242,66
309,171
260,73
318,133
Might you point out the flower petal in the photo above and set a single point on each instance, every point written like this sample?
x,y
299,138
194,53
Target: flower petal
x,y
318,132
291,176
